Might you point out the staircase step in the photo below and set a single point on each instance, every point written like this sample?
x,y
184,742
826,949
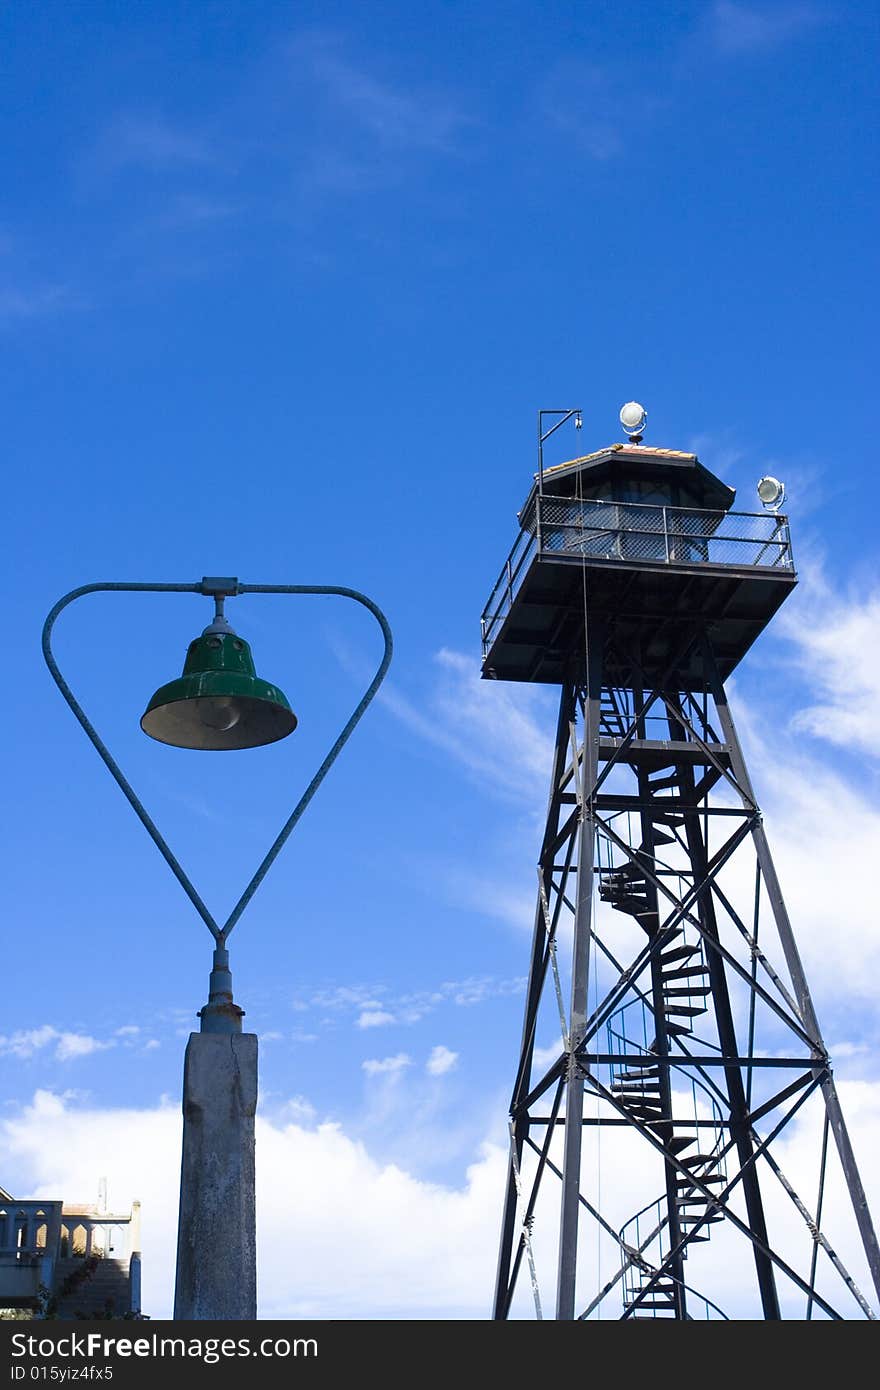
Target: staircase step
x,y
638,1085
684,972
685,991
661,838
682,1011
678,953
679,1142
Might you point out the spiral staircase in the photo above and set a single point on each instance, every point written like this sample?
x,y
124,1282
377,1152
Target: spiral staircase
x,y
651,1289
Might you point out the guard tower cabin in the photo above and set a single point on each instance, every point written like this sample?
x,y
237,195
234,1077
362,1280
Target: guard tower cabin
x,y
645,539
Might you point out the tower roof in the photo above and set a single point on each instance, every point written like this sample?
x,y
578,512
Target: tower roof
x,y
626,462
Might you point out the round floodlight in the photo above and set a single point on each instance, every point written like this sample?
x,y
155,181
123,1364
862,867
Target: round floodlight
x,y
771,492
633,417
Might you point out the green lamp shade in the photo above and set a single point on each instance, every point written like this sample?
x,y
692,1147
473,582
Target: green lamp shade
x,y
219,702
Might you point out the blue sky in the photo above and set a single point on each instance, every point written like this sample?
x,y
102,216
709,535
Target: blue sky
x,y
282,288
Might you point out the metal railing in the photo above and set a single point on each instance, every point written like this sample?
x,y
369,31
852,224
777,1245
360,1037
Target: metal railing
x,y
36,1234
634,532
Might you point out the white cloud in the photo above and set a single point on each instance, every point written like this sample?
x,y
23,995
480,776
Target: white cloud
x,y
822,827
807,801
343,997
544,1057
26,1042
441,1060
836,647
404,1009
72,1045
374,1018
386,1066
373,1241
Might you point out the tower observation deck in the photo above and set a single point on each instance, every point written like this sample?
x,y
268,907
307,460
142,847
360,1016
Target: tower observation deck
x,y
654,533
669,1035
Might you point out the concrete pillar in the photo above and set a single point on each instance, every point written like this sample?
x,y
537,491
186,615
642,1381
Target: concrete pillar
x,y
216,1238
134,1284
134,1229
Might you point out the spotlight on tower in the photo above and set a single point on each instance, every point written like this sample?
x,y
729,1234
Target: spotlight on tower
x,y
633,417
771,493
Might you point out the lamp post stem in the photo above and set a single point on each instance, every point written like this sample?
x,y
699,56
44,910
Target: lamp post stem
x,y
221,1014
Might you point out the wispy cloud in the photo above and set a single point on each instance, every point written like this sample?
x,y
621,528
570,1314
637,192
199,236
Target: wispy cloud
x,y
393,116
196,210
590,106
495,731
360,1002
603,109
22,301
737,29
151,142
367,129
345,998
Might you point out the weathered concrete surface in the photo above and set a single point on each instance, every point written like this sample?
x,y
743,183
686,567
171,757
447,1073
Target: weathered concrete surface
x,y
216,1237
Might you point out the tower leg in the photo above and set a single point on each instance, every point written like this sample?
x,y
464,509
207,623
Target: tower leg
x,y
580,979
537,973
799,980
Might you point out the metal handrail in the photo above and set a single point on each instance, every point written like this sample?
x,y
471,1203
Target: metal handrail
x,y
563,516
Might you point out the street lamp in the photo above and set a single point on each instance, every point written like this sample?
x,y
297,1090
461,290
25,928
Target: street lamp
x,y
219,703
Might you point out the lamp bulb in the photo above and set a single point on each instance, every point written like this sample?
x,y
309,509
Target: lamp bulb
x,y
219,713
